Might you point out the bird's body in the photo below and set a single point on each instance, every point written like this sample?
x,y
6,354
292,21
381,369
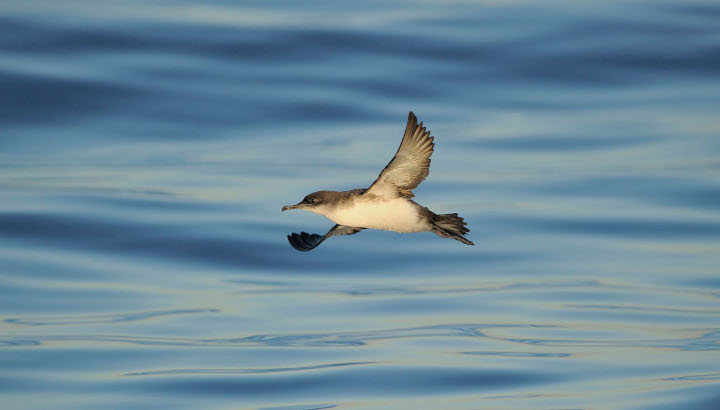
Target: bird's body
x,y
386,204
368,211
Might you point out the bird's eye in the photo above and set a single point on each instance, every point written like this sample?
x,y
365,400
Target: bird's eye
x,y
313,200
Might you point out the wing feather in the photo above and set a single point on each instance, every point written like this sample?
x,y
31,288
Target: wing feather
x,y
304,241
410,165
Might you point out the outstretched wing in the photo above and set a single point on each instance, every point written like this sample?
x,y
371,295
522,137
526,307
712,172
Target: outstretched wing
x,y
410,165
304,241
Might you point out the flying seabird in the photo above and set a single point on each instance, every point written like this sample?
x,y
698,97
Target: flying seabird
x,y
386,204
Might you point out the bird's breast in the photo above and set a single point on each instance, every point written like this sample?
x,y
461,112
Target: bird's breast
x,y
399,215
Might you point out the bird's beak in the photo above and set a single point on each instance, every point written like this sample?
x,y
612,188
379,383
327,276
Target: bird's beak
x,y
289,207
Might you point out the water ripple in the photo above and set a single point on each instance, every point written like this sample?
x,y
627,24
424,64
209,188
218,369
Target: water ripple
x,y
660,229
709,341
698,377
518,354
102,319
555,144
643,309
271,287
374,380
243,371
302,407
284,340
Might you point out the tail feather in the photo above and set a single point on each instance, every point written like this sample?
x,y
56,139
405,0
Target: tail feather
x,y
451,226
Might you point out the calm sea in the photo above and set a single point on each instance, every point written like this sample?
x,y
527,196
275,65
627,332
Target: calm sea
x,y
146,148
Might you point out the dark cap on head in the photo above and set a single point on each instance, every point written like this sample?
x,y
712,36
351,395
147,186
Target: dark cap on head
x,y
312,200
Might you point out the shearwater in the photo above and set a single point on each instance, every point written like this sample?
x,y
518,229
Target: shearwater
x,y
386,204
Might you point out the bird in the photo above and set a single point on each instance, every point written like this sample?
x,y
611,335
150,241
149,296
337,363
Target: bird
x,y
386,204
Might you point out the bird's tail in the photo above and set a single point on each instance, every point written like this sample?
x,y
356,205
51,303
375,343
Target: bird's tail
x,y
451,226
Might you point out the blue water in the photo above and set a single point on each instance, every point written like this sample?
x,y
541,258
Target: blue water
x,y
146,149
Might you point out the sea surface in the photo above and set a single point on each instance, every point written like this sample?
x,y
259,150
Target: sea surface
x,y
146,148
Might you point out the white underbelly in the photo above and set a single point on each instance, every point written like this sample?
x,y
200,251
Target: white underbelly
x,y
399,215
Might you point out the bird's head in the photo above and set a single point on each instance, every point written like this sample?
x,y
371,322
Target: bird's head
x,y
317,202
